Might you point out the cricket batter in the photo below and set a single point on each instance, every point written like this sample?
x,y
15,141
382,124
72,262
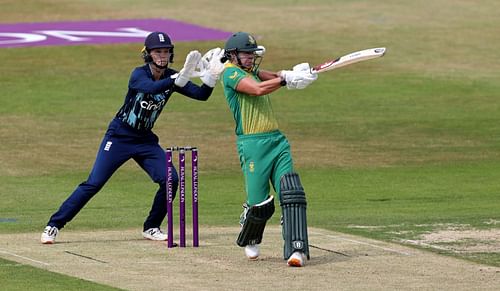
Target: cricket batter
x,y
130,135
263,150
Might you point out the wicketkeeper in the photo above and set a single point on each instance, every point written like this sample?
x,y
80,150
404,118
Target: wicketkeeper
x,y
263,150
130,135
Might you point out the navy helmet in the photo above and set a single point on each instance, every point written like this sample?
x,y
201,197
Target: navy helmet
x,y
157,40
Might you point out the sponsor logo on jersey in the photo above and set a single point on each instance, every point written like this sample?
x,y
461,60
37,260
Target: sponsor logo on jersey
x,y
234,75
151,105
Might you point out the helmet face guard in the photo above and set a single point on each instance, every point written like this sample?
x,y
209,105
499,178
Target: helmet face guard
x,y
243,42
156,40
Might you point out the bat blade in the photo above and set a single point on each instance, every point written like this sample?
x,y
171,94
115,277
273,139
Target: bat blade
x,y
349,59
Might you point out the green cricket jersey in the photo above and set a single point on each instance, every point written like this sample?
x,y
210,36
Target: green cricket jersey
x,y
264,152
252,114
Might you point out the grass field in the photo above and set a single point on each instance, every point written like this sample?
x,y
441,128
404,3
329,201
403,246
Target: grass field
x,y
390,149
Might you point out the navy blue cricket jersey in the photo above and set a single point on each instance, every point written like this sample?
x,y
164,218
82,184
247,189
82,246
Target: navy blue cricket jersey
x,y
146,98
129,136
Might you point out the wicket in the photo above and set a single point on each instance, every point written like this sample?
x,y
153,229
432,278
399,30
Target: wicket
x,y
182,195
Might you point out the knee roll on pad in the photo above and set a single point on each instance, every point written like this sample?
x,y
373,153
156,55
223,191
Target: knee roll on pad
x,y
293,205
253,228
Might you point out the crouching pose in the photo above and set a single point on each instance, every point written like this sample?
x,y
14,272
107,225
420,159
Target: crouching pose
x,y
130,135
263,150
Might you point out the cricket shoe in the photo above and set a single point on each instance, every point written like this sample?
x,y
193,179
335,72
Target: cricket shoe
x,y
252,251
154,234
49,235
297,259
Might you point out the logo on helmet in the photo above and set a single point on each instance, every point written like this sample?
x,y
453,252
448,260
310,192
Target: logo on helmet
x,y
251,40
161,37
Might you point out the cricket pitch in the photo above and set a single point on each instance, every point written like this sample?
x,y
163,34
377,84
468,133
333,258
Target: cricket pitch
x,y
125,260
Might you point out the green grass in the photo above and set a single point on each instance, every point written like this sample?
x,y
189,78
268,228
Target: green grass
x,y
21,277
389,149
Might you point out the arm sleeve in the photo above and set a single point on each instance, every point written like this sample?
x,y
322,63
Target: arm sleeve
x,y
196,92
141,82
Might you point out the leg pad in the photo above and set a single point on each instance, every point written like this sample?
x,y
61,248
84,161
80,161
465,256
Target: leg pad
x,y
254,223
293,205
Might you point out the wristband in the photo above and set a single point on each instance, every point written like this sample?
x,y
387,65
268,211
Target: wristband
x,y
283,82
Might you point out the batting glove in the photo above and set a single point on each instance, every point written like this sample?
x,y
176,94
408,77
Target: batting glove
x,y
298,80
301,67
307,76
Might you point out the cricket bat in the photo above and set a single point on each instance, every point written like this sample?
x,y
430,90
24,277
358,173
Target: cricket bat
x,y
349,59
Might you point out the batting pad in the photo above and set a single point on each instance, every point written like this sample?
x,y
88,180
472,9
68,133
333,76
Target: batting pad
x,y
253,228
293,204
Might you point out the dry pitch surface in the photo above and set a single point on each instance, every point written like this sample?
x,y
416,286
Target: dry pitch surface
x,y
338,261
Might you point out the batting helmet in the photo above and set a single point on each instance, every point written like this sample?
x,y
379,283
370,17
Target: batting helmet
x,y
157,40
241,42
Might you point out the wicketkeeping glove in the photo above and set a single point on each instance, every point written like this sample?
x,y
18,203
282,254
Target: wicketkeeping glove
x,y
214,66
260,52
192,60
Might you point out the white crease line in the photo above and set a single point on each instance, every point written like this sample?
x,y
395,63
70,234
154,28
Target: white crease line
x,y
25,258
418,243
362,243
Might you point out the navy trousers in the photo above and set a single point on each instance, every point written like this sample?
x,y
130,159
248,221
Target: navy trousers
x,y
119,145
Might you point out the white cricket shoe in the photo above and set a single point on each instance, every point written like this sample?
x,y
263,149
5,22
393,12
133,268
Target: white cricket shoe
x,y
297,259
49,235
154,234
252,251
